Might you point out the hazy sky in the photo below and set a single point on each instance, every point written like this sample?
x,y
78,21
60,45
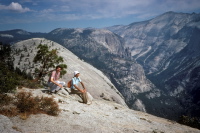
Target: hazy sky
x,y
46,15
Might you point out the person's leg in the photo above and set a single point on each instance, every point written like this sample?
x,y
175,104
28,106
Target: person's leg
x,y
63,91
62,83
89,98
82,95
73,91
52,86
59,82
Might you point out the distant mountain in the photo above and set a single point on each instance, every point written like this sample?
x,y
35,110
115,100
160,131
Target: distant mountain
x,y
16,35
168,49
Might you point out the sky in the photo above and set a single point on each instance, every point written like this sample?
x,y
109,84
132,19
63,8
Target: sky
x,y
47,15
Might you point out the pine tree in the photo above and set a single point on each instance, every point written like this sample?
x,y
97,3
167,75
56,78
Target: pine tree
x,y
8,80
47,60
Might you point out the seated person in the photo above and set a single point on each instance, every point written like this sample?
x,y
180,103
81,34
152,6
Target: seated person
x,y
76,90
53,82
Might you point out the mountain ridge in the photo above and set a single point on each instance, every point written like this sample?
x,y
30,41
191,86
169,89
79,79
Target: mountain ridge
x,y
166,47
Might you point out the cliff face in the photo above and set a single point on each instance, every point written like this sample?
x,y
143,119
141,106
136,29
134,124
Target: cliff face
x,y
91,42
167,47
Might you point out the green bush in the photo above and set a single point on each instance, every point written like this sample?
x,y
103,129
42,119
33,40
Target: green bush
x,y
8,79
190,121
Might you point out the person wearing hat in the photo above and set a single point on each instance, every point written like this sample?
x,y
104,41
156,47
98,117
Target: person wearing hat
x,y
75,89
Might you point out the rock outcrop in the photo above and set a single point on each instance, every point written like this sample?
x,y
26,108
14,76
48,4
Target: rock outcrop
x,y
101,116
95,81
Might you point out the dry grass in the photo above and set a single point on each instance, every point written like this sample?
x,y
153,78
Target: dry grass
x,y
17,129
49,106
9,111
5,99
24,104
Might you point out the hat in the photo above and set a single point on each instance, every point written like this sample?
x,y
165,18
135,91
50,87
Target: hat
x,y
75,72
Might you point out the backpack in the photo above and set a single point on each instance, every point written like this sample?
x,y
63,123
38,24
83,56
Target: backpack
x,y
69,84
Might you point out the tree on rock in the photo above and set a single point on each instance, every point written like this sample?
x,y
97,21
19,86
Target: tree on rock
x,y
8,79
47,60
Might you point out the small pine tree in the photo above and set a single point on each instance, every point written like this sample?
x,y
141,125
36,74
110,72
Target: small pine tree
x,y
47,59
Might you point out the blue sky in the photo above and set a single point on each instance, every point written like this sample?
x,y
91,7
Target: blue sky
x,y
47,15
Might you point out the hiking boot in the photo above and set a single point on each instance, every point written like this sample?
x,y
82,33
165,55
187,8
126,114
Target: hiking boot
x,y
88,103
50,92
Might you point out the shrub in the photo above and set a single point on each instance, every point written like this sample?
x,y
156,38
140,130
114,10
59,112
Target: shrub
x,y
29,83
190,121
7,108
9,111
24,104
49,106
8,80
5,99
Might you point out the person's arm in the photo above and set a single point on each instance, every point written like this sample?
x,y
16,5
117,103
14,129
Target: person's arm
x,y
73,82
79,88
84,89
52,80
